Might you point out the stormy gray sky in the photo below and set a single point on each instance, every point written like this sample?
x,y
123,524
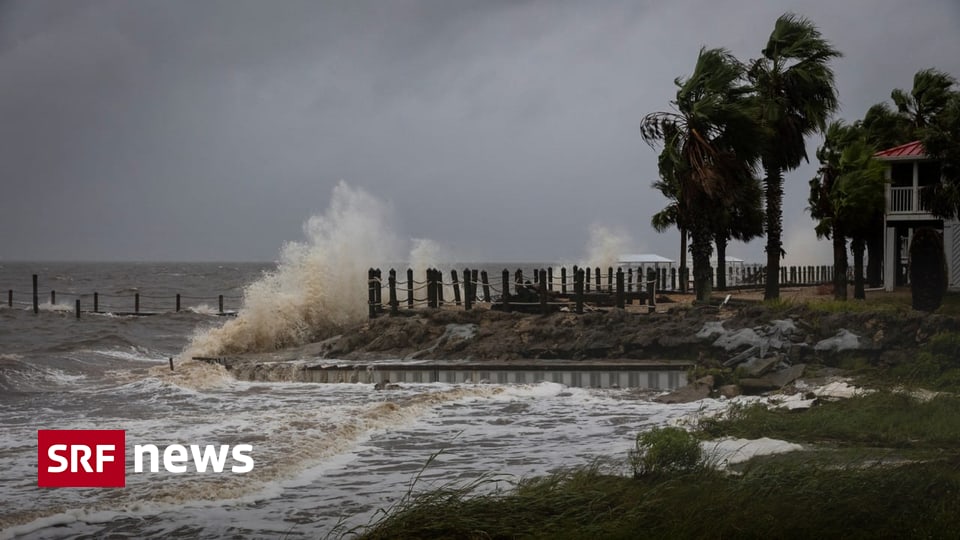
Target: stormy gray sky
x,y
211,130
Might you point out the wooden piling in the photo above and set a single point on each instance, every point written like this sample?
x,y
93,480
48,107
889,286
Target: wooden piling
x,y
36,297
505,294
467,290
609,279
586,284
378,301
563,280
220,304
486,286
651,290
392,281
53,298
78,308
371,296
409,288
630,279
178,301
550,278
10,298
598,279
543,292
438,276
456,287
673,279
578,284
474,280
517,281
136,303
620,289
171,363
431,289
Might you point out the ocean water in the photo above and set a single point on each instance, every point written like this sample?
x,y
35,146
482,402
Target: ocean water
x,y
328,456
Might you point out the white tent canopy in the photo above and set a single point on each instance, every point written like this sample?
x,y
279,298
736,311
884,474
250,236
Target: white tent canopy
x,y
645,259
730,260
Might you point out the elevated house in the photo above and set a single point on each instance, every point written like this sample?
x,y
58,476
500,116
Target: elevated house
x,y
910,174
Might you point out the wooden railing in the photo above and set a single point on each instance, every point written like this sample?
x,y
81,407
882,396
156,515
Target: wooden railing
x,y
908,200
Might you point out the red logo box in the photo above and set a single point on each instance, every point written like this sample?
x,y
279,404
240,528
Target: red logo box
x,y
81,458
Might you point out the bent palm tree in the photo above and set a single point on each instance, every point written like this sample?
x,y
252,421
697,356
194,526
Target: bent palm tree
x,y
795,95
709,146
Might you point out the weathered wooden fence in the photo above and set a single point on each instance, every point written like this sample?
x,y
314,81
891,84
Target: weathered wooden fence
x,y
546,290
116,304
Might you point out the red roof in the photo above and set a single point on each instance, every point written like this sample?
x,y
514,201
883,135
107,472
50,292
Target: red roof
x,y
910,150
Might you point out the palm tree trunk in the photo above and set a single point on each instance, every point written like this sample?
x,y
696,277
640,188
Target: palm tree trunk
x,y
859,246
701,247
875,257
683,260
773,184
721,241
839,263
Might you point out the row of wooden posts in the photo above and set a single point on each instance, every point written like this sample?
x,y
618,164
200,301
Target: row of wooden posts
x,y
539,293
619,283
96,301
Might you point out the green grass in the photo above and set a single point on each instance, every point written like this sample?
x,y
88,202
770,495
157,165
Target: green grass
x,y
882,419
916,500
884,465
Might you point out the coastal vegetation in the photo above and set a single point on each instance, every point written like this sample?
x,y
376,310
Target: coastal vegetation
x,y
736,128
883,463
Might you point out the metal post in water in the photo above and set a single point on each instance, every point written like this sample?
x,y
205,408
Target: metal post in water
x,y
36,297
78,308
96,302
136,303
178,302
220,304
10,298
53,298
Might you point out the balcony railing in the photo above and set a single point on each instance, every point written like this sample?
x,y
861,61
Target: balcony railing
x,y
908,200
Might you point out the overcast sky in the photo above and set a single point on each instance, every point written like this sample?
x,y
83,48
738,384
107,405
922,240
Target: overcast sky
x,y
211,130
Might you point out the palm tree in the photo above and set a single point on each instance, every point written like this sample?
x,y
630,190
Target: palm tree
x,y
709,144
742,220
825,204
861,191
795,91
669,186
930,94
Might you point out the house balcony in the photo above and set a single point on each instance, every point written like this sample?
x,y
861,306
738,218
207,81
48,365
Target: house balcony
x,y
908,201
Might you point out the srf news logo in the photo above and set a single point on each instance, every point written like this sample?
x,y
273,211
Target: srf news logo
x,y
97,458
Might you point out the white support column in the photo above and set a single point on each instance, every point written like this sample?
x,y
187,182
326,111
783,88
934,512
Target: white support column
x,y
915,202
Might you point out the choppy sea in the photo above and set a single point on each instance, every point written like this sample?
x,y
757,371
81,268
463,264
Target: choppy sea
x,y
327,457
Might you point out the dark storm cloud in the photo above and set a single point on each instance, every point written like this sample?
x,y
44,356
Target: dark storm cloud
x,y
212,130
